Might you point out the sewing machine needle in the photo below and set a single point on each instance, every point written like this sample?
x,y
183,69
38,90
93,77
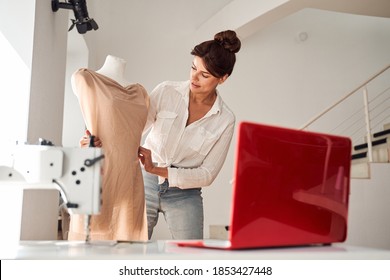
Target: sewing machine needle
x,y
88,228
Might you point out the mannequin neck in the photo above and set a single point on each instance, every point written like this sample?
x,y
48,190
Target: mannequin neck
x,y
114,68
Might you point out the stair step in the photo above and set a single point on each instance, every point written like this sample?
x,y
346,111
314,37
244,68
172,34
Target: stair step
x,y
379,154
359,155
374,143
381,133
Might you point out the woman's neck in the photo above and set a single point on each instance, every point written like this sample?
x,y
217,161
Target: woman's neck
x,y
208,99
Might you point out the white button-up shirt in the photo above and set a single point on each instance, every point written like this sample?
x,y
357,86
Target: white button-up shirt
x,y
197,151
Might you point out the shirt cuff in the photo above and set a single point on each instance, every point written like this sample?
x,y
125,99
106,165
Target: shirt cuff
x,y
172,176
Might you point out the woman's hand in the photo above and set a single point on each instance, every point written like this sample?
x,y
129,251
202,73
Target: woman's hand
x,y
85,140
145,156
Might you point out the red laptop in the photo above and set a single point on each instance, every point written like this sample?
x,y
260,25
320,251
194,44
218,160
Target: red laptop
x,y
291,188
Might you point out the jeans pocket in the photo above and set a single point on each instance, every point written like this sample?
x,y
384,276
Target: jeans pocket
x,y
163,187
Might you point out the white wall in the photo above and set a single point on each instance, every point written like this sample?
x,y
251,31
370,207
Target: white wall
x,y
15,67
369,223
34,69
278,79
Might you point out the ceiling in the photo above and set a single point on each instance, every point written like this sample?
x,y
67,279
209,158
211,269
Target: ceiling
x,y
249,16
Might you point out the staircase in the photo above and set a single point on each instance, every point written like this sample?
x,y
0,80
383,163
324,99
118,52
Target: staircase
x,y
380,144
367,124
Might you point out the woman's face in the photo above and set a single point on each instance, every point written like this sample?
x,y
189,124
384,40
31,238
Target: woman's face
x,y
201,81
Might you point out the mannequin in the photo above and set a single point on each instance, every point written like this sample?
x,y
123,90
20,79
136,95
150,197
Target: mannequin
x,y
114,68
115,111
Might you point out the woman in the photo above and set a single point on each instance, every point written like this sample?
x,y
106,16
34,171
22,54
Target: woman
x,y
190,133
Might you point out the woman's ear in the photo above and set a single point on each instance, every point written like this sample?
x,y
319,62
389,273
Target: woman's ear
x,y
223,79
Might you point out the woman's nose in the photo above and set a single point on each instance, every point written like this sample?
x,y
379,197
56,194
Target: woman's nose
x,y
195,76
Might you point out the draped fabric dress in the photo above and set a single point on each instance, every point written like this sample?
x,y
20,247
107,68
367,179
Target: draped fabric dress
x,y
117,115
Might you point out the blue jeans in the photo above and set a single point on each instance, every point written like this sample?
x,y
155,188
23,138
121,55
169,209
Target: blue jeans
x,y
182,209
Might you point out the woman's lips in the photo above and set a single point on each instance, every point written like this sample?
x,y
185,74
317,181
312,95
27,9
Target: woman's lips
x,y
194,85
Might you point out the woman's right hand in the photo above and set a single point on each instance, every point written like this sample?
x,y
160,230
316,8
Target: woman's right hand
x,y
85,140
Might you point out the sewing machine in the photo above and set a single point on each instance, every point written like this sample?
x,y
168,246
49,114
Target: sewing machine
x,y
75,172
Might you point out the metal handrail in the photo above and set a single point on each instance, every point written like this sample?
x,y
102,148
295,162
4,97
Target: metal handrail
x,y
363,87
342,99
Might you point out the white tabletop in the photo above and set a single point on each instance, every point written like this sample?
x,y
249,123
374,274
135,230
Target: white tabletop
x,y
64,250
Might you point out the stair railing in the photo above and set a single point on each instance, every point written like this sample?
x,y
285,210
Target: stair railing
x,y
368,126
364,89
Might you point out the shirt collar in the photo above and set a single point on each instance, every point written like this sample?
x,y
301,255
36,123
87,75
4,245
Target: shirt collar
x,y
217,107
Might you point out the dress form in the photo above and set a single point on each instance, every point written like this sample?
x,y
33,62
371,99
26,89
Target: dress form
x,y
114,68
116,112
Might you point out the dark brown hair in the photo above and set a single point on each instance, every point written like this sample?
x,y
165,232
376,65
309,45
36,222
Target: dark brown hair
x,y
219,55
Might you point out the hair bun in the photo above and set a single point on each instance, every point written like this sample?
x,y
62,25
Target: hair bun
x,y
229,40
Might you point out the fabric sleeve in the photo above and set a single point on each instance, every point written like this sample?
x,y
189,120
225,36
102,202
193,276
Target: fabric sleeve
x,y
146,96
83,88
152,108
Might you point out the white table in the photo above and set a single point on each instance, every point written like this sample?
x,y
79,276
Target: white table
x,y
160,250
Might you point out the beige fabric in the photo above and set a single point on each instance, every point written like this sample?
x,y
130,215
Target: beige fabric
x,y
117,115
